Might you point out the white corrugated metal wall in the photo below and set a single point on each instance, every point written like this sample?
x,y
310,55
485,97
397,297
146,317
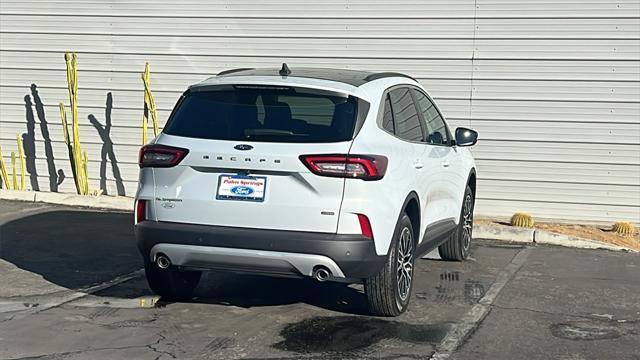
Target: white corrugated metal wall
x,y
553,87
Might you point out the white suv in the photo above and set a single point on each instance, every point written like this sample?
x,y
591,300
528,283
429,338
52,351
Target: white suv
x,y
333,174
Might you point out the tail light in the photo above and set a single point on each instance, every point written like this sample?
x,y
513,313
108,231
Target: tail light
x,y
161,156
365,226
141,210
365,167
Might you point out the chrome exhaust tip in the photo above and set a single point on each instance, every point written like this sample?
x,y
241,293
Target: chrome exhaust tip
x,y
321,274
163,261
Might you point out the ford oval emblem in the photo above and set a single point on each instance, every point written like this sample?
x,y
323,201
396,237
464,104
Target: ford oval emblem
x,y
243,147
242,190
168,205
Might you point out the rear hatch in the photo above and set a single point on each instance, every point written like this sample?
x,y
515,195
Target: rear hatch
x,y
242,166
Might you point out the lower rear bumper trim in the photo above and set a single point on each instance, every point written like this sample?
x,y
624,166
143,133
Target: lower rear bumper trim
x,y
354,255
277,262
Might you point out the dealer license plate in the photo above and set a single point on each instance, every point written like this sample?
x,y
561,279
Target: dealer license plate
x,y
243,188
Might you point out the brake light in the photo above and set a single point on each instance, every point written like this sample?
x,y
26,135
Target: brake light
x,y
365,226
365,167
161,156
141,210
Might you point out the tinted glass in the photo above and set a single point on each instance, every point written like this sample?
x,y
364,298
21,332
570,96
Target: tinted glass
x,y
272,114
387,116
436,129
407,122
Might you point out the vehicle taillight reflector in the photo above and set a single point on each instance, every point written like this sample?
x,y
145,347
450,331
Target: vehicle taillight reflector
x,y
365,167
141,210
365,226
160,156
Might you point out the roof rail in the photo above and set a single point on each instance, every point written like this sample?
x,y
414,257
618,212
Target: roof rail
x,y
225,72
383,75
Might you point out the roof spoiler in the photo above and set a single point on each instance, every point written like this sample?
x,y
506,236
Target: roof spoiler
x,y
383,75
233,71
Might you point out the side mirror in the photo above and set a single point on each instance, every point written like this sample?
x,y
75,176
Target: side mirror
x,y
466,137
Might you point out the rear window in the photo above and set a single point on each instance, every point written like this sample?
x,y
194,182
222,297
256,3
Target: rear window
x,y
265,113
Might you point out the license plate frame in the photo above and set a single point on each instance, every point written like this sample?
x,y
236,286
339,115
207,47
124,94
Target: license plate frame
x,y
247,188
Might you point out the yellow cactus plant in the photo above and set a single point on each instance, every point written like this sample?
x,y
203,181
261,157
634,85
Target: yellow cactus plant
x,y
78,157
3,172
522,219
23,165
13,183
14,175
149,105
624,228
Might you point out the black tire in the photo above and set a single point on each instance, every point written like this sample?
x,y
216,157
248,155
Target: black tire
x,y
458,246
386,295
170,283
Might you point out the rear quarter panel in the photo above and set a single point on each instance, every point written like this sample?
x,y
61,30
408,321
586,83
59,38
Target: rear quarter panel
x,y
381,200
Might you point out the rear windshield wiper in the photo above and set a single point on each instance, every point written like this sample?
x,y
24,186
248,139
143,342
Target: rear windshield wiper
x,y
271,132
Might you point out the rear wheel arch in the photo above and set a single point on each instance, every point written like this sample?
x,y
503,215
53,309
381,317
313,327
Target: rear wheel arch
x,y
411,207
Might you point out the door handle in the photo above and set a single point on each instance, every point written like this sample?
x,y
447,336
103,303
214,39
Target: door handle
x,y
418,165
445,163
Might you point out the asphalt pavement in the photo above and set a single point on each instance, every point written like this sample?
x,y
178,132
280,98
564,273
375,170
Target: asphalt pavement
x,y
72,289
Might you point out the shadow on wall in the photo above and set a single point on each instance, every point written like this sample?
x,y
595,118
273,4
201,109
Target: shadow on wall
x,y
107,148
56,177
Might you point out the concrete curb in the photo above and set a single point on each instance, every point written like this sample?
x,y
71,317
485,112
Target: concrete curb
x,y
492,232
18,195
504,233
537,236
550,238
101,202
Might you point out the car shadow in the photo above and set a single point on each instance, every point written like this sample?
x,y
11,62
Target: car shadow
x,y
249,291
77,249
72,248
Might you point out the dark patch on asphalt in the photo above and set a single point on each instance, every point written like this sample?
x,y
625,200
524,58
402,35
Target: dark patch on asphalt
x,y
450,276
447,289
593,329
346,334
450,290
358,356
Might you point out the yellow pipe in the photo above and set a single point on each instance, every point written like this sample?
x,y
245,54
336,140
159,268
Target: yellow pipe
x,y
13,169
3,173
23,165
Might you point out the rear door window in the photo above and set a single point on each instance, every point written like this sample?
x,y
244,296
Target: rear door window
x,y
265,113
387,116
406,119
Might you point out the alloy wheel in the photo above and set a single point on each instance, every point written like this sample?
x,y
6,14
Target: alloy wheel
x,y
405,263
467,221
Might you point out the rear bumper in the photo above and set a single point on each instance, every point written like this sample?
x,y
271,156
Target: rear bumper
x,y
258,250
